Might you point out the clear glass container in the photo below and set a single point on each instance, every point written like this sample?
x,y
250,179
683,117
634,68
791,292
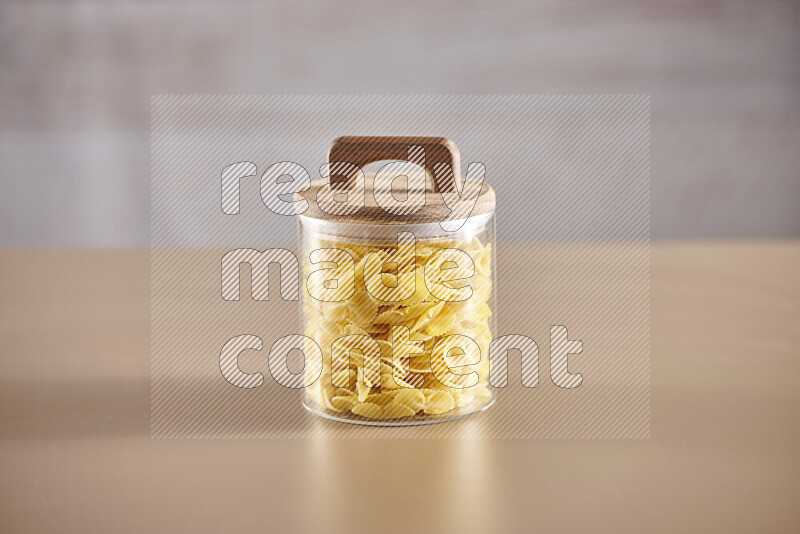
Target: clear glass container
x,y
402,311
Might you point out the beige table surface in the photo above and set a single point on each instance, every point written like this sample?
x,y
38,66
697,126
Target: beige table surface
x,y
76,456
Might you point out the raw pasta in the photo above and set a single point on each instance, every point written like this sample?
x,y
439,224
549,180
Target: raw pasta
x,y
438,363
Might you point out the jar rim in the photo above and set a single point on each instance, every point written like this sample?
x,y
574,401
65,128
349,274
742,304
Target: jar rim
x,y
388,232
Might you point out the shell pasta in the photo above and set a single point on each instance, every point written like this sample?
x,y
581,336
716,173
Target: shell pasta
x,y
404,327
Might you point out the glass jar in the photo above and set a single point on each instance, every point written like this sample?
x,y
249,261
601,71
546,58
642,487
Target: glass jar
x,y
399,303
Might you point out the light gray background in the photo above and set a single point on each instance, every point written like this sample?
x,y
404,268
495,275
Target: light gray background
x,y
77,78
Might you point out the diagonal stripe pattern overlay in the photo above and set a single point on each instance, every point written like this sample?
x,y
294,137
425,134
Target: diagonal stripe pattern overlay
x,y
572,176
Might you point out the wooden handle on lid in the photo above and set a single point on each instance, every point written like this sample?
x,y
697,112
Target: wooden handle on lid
x,y
362,150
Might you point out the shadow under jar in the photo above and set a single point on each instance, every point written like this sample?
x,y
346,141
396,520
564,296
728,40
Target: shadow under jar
x,y
399,306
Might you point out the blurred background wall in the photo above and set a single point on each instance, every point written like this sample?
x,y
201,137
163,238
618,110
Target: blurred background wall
x,y
77,77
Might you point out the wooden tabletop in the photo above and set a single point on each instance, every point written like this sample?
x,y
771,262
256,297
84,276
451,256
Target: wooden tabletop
x,y
76,453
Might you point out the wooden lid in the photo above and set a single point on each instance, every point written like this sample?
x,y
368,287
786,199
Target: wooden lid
x,y
418,200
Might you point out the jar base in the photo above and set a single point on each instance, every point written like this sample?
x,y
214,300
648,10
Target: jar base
x,y
419,419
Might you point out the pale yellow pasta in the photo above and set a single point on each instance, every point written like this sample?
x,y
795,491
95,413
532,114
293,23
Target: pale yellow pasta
x,y
341,404
439,402
397,410
430,372
413,398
